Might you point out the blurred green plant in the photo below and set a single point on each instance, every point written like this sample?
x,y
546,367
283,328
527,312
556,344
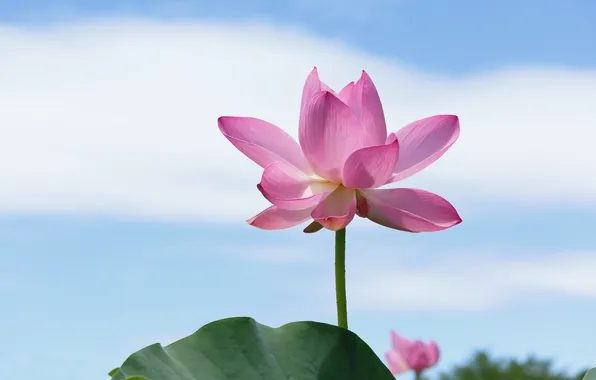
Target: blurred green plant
x,y
483,367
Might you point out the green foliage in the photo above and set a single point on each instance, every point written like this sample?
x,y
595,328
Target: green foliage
x,y
482,367
242,349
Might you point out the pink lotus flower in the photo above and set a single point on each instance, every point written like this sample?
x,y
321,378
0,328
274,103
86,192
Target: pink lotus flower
x,y
411,355
343,157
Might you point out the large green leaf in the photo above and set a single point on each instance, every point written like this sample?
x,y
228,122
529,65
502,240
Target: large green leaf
x,y
590,375
242,349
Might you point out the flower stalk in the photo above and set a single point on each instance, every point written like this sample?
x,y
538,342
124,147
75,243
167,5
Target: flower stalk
x,y
340,278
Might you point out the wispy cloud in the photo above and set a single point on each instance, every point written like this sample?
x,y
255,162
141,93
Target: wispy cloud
x,y
120,118
467,281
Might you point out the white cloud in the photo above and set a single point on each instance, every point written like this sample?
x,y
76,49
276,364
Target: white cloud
x,y
405,278
120,118
467,281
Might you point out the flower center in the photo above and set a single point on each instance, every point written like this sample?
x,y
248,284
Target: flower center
x,y
321,185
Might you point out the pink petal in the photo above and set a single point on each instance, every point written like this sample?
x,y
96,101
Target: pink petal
x,y
275,218
420,356
410,210
262,142
312,85
284,181
370,167
290,189
423,142
345,95
329,133
337,210
364,100
400,344
395,362
433,353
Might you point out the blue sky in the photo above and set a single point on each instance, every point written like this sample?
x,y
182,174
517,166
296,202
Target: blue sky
x,y
120,199
455,36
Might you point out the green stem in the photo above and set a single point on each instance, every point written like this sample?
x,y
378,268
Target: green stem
x,y
418,376
340,278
